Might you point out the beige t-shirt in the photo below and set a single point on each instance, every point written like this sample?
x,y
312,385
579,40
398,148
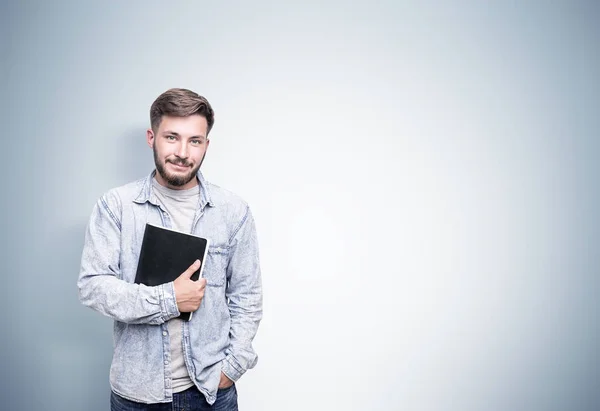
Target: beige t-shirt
x,y
181,206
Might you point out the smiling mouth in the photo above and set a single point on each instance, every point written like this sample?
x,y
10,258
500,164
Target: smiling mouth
x,y
179,166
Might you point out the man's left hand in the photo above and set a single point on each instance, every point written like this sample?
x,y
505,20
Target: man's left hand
x,y
225,381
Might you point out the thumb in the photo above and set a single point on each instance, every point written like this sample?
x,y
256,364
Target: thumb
x,y
191,269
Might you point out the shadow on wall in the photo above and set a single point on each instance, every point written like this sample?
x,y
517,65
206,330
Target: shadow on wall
x,y
76,355
135,160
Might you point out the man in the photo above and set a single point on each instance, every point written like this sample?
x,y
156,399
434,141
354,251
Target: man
x,y
159,359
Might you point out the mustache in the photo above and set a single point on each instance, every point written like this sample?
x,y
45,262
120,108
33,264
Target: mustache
x,y
179,163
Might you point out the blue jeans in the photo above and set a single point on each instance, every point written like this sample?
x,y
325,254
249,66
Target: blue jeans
x,y
188,400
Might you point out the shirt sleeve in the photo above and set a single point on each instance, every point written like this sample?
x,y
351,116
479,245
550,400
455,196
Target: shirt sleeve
x,y
244,293
99,283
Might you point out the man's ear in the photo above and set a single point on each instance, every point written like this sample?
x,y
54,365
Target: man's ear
x,y
150,137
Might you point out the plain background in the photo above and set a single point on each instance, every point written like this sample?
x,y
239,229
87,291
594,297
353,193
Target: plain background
x,y
423,177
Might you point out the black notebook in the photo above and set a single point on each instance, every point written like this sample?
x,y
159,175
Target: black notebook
x,y
166,254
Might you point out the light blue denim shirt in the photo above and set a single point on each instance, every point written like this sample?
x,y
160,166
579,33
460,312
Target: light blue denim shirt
x,y
219,336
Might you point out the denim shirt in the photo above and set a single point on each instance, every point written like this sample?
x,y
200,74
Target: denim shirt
x,y
219,335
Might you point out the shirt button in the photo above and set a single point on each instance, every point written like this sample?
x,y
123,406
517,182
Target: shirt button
x,y
164,333
166,362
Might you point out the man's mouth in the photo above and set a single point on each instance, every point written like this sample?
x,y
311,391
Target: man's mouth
x,y
181,166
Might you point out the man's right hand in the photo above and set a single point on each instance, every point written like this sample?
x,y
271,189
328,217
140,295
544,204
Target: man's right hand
x,y
189,293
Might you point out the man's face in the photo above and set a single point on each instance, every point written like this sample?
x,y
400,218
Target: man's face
x,y
179,146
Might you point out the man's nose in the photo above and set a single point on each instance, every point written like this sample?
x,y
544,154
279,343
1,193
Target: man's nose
x,y
182,151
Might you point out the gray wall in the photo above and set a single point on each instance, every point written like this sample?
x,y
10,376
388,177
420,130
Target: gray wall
x,y
441,159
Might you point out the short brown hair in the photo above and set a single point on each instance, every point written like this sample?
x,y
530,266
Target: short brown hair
x,y
180,102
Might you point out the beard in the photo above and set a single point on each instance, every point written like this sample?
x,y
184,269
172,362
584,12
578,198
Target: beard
x,y
176,180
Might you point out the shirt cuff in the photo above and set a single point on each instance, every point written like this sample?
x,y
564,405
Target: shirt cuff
x,y
231,368
168,303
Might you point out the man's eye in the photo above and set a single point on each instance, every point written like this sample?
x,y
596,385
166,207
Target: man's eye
x,y
197,142
171,138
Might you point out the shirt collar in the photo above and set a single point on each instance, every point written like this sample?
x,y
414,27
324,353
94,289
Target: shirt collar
x,y
147,195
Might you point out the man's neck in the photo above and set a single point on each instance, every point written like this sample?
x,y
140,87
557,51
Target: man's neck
x,y
190,184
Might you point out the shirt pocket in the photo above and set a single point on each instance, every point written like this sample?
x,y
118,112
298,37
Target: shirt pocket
x,y
215,270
